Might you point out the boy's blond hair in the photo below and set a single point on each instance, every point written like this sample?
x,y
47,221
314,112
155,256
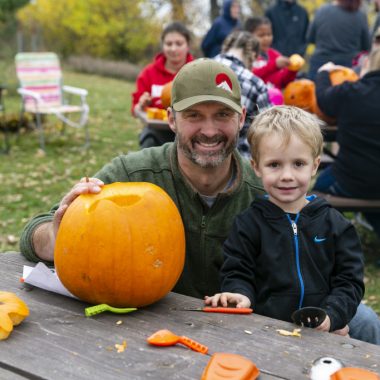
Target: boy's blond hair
x,y
286,121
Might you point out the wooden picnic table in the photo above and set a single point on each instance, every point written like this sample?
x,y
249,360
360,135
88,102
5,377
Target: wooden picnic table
x,y
58,342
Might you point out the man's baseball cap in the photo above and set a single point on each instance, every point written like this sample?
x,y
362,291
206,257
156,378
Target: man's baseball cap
x,y
205,80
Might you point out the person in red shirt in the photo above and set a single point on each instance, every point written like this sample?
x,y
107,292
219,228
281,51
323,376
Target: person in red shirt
x,y
270,65
175,40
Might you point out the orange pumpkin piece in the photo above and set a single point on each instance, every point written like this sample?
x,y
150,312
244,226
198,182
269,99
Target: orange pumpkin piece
x,y
343,74
296,62
300,93
166,95
230,366
12,312
151,112
124,246
156,113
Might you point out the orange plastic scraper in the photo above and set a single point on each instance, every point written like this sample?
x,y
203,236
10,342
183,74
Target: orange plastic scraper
x,y
167,338
223,366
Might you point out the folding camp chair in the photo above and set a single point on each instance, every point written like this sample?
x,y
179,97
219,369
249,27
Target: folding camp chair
x,y
42,92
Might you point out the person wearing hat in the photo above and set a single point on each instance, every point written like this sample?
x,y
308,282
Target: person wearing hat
x,y
202,172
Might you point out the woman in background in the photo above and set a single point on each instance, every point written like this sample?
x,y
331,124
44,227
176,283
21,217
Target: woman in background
x,y
175,40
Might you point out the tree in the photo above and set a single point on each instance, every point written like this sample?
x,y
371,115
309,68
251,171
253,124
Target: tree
x,y
9,7
122,29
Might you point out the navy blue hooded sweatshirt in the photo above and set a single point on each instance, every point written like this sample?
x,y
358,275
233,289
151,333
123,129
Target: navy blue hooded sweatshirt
x,y
283,262
220,29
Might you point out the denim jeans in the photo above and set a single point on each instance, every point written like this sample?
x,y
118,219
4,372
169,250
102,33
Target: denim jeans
x,y
365,325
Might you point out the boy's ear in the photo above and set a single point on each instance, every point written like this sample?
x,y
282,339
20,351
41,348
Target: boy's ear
x,y
255,168
316,163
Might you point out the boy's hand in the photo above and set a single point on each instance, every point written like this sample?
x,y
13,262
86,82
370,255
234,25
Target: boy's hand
x,y
224,299
343,332
325,325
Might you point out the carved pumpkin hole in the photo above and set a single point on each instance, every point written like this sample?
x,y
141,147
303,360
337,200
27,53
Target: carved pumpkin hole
x,y
121,201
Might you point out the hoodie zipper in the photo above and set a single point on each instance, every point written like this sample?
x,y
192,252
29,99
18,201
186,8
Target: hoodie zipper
x,y
293,223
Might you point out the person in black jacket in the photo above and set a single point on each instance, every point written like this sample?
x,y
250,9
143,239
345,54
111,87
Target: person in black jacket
x,y
290,22
221,28
355,172
287,250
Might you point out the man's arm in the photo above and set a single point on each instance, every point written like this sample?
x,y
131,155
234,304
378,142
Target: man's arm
x,y
43,240
38,238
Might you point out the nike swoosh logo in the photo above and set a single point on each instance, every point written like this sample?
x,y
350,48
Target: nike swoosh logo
x,y
317,240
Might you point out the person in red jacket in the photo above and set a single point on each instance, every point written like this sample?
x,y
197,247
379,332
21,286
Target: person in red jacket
x,y
270,65
175,40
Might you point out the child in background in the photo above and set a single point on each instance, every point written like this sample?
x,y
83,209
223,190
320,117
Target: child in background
x,y
287,250
270,65
239,50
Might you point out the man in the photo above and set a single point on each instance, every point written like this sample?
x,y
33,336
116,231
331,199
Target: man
x,y
201,171
289,25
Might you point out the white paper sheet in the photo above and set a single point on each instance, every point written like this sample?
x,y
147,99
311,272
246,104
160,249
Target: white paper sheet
x,y
44,278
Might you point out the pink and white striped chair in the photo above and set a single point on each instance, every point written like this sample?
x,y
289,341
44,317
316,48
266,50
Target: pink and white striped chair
x,y
42,92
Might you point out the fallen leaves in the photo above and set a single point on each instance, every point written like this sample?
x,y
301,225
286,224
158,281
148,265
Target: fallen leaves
x,y
295,332
121,347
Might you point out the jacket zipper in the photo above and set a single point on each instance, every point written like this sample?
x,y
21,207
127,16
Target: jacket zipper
x,y
297,252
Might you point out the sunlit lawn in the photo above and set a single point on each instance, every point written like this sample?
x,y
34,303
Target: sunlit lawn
x,y
31,182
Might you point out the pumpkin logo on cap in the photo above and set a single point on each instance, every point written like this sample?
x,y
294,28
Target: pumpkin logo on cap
x,y
223,81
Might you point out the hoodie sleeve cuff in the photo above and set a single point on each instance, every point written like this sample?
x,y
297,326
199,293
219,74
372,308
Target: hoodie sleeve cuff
x,y
26,240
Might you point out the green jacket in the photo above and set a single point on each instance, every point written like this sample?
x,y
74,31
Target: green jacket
x,y
206,228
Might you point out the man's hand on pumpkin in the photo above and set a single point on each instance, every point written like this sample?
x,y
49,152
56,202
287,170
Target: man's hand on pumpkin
x,y
84,186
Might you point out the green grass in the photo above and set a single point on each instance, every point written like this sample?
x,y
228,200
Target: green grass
x,y
32,182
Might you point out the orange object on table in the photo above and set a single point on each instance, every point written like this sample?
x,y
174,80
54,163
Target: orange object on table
x,y
167,338
230,366
349,373
156,113
226,310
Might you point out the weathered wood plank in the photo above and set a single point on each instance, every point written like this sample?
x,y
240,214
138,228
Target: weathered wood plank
x,y
67,345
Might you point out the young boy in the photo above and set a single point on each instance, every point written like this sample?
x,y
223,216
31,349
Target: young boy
x,y
287,250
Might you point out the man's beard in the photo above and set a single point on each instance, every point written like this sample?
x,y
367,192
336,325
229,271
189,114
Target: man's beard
x,y
211,159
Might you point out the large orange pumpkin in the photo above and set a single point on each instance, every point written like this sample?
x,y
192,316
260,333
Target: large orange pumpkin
x,y
124,246
166,95
343,74
300,93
